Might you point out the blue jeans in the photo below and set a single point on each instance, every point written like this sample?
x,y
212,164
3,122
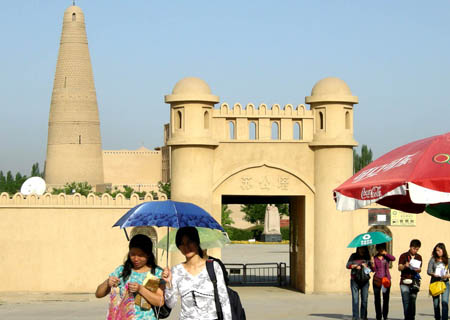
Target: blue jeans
x,y
409,302
356,289
436,302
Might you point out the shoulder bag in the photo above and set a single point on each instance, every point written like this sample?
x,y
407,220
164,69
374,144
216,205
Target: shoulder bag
x,y
437,288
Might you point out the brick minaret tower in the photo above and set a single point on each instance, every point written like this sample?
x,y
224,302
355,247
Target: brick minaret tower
x,y
74,148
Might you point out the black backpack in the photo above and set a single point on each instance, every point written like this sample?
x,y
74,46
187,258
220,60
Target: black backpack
x,y
237,311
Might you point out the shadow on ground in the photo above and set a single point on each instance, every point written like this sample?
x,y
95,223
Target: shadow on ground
x,y
339,316
330,316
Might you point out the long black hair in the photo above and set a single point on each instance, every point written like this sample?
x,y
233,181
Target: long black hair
x,y
444,257
144,243
365,255
192,234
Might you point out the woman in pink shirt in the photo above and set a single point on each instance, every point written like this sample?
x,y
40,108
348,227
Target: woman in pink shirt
x,y
380,267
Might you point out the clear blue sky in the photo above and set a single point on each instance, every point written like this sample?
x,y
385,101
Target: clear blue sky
x,y
394,55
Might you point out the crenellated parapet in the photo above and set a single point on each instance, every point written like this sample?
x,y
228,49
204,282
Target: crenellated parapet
x,y
263,111
145,152
74,201
278,123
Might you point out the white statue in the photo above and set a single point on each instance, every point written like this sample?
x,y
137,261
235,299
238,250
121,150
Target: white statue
x,y
272,220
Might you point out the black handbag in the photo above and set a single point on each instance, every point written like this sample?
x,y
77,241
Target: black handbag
x,y
161,312
415,286
361,277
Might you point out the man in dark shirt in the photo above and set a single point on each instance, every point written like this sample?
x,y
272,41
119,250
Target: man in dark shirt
x,y
408,273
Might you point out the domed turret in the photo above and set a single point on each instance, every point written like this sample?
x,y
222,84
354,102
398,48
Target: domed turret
x,y
332,103
331,89
191,89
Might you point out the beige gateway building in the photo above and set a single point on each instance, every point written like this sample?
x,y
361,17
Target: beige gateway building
x,y
214,154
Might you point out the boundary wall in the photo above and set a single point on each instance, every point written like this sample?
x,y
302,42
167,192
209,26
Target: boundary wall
x,y
63,243
140,169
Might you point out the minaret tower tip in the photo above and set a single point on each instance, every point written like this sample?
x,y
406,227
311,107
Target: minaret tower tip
x,y
74,149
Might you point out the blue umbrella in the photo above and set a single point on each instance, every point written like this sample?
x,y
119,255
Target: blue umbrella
x,y
167,213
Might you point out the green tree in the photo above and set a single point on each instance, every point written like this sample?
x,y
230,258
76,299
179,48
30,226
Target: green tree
x,y
126,192
164,188
255,213
18,182
226,219
12,183
2,182
154,195
35,172
82,188
363,159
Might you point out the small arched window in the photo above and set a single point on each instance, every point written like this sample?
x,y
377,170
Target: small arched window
x,y
252,130
179,120
297,131
74,16
232,133
320,120
275,131
347,120
206,120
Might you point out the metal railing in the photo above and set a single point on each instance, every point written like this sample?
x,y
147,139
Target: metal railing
x,y
249,274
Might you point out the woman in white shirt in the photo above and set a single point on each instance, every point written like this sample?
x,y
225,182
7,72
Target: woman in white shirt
x,y
438,270
190,280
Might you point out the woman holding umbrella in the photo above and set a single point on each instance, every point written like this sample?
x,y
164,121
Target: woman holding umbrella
x,y
359,263
190,280
381,280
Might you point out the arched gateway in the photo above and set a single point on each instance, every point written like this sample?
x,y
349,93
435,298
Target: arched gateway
x,y
223,155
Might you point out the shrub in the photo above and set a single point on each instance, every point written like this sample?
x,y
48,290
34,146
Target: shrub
x,y
254,232
285,235
257,231
238,234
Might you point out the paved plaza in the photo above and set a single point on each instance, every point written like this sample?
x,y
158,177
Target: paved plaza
x,y
259,302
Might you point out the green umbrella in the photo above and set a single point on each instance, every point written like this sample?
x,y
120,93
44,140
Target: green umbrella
x,y
209,238
441,210
369,239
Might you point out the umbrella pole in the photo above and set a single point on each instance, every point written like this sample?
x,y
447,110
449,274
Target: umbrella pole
x,y
126,234
167,252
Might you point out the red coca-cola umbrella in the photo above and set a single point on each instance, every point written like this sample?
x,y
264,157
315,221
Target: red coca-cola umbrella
x,y
411,178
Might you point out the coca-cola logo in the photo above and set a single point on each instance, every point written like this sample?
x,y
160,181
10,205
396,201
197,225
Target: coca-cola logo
x,y
441,158
371,193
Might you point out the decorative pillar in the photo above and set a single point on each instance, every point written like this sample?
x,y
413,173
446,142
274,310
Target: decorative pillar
x,y
332,104
191,143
